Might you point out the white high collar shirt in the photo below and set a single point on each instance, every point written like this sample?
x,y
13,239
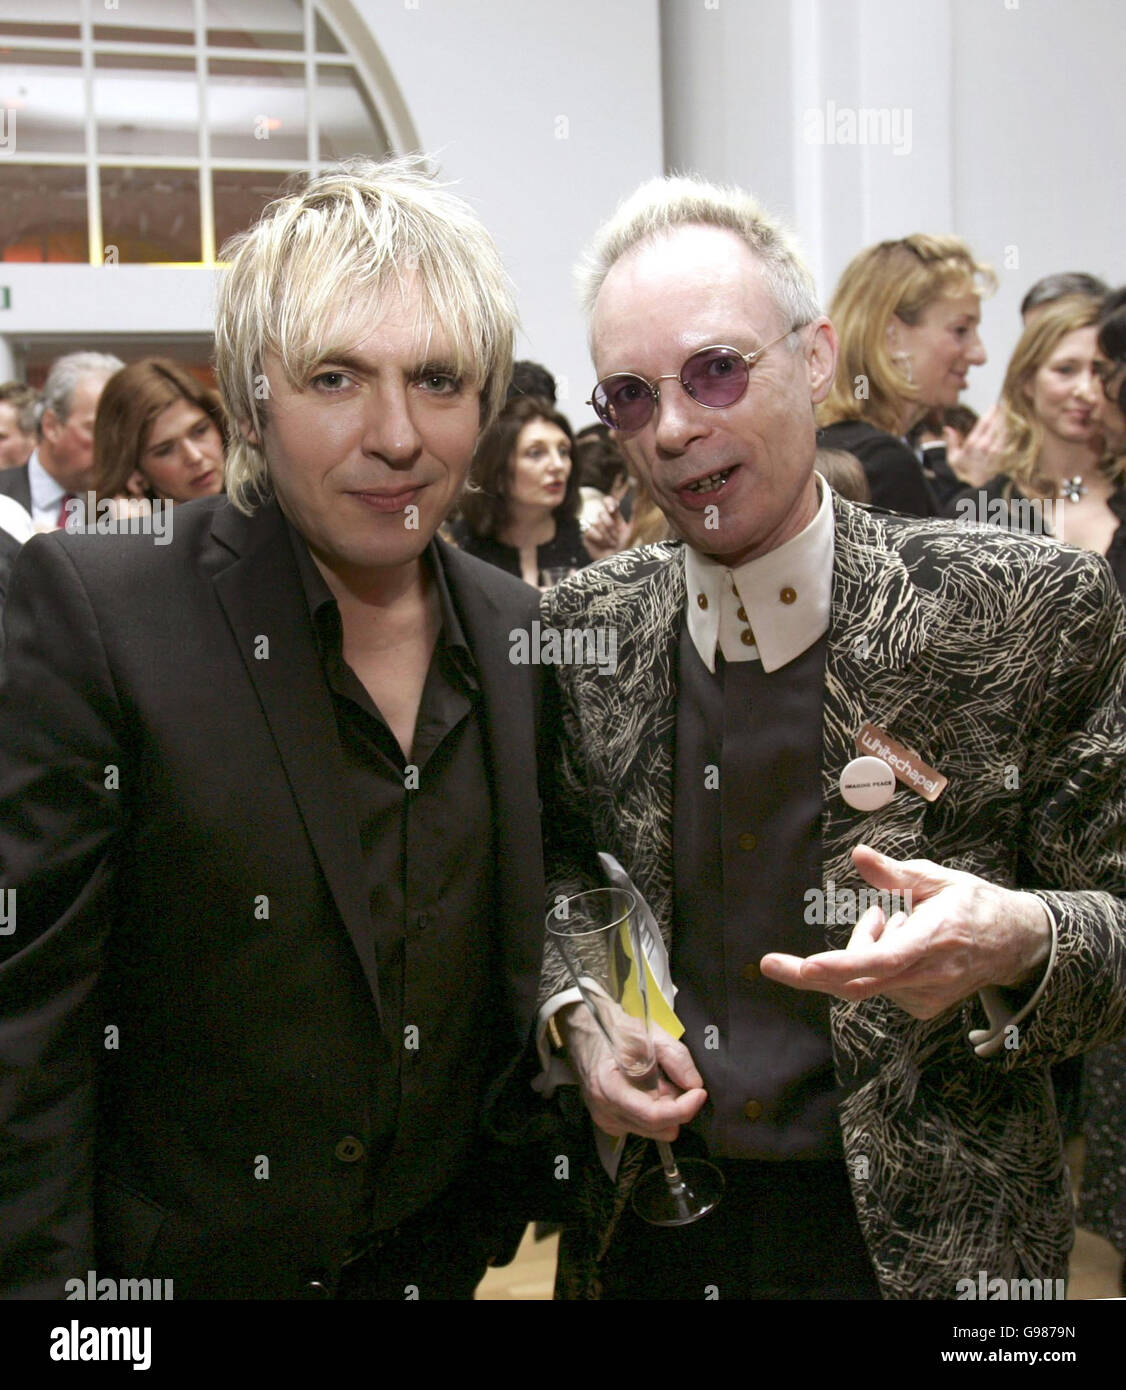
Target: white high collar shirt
x,y
771,608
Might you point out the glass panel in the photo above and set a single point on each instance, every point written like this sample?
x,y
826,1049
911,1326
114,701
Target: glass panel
x,y
54,19
42,103
257,110
156,21
146,105
151,215
240,195
256,24
347,121
8,30
44,213
327,42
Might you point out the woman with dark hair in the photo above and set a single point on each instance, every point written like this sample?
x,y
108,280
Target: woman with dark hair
x,y
159,434
520,511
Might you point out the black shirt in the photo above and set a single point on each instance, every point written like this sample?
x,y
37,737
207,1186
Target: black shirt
x,y
426,845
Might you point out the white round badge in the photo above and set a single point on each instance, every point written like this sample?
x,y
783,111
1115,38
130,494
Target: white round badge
x,y
867,784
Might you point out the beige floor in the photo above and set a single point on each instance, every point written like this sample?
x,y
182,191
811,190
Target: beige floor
x,y
1094,1264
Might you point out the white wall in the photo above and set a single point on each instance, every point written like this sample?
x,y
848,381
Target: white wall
x,y
1039,134
545,114
1016,128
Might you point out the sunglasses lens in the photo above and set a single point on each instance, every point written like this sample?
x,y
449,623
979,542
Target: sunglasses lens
x,y
715,377
622,402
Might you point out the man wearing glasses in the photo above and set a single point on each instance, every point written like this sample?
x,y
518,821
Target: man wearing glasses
x,y
838,748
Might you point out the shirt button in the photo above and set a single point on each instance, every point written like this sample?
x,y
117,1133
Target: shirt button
x,y
349,1150
751,971
742,614
702,600
747,637
787,595
752,1109
747,840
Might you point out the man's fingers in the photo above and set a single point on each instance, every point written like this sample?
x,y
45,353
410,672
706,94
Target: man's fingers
x,y
675,1061
619,1108
920,877
869,928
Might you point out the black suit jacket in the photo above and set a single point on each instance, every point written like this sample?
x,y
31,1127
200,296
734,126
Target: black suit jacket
x,y
168,763
14,482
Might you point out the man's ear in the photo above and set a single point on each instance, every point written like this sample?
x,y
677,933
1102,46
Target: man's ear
x,y
50,426
821,354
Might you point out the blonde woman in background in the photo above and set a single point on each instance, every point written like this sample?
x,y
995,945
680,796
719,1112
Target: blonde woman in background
x,y
907,314
1051,402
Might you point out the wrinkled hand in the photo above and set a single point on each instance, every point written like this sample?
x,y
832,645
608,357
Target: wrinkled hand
x,y
615,1105
980,456
961,935
607,533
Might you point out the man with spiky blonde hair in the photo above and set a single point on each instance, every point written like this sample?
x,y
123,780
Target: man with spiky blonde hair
x,y
268,817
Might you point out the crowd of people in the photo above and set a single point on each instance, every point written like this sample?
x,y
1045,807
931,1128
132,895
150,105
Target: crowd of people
x,y
333,1061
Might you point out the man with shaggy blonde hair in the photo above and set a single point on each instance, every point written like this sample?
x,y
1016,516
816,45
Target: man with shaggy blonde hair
x,y
268,813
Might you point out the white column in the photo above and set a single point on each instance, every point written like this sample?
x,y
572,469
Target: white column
x,y
835,113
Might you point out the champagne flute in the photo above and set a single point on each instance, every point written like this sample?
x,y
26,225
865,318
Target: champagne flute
x,y
599,939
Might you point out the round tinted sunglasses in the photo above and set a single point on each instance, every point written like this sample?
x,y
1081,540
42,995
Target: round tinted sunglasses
x,y
713,376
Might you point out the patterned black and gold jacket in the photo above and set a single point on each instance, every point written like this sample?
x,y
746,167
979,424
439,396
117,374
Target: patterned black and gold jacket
x,y
1000,660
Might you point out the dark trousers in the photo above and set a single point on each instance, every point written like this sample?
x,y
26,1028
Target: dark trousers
x,y
782,1231
439,1253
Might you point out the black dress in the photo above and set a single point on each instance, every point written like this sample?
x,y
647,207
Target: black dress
x,y
895,475
565,550
981,502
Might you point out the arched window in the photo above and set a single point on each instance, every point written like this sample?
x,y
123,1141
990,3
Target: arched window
x,y
150,133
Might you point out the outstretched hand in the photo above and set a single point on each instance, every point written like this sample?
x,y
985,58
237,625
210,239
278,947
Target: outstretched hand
x,y
960,934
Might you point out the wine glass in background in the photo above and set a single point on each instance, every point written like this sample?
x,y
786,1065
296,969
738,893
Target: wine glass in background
x,y
552,575
598,936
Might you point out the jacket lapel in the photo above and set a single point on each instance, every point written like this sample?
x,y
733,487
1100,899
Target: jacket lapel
x,y
877,640
639,729
261,594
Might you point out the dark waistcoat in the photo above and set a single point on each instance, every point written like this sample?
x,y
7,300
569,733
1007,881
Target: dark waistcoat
x,y
746,849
